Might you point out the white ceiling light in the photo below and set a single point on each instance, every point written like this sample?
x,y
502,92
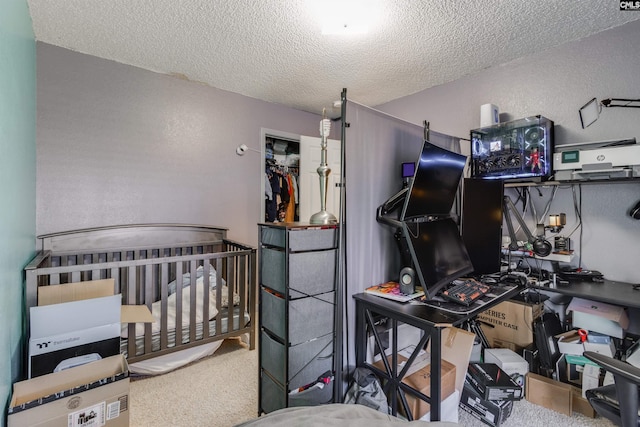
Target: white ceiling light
x,y
346,16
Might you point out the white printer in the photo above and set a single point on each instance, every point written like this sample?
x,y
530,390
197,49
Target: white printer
x,y
597,160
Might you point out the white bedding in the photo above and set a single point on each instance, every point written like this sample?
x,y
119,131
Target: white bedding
x,y
334,414
156,307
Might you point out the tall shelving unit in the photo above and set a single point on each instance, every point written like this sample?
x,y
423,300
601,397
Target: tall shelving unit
x,y
297,276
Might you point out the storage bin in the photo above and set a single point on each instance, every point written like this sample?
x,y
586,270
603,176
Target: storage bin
x,y
300,239
310,273
319,308
306,361
272,396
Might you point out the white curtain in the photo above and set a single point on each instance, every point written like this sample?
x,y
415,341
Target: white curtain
x,y
375,146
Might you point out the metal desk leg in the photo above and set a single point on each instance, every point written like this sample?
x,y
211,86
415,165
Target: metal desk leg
x,y
436,365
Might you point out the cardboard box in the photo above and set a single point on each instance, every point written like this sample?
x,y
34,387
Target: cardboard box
x,y
491,412
67,330
94,394
421,381
456,348
597,316
448,409
580,404
570,343
510,362
492,383
557,396
510,322
550,394
457,345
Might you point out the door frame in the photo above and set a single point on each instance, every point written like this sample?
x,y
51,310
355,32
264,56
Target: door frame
x,y
264,134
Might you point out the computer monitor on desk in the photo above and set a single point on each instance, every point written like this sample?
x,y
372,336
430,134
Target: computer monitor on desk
x,y
429,239
437,252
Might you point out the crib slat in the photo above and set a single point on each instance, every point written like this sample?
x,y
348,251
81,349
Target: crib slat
x,y
178,314
192,300
206,275
164,294
148,301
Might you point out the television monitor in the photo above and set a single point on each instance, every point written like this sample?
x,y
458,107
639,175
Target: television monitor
x,y
519,150
482,202
435,183
437,252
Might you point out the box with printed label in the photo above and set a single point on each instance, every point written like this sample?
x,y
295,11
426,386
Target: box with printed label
x,y
77,323
510,362
93,394
510,324
492,383
491,412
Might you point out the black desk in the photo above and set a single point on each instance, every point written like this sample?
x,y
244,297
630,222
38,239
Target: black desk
x,y
610,292
429,319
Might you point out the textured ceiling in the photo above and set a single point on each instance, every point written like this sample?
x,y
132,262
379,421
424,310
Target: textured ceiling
x,y
274,50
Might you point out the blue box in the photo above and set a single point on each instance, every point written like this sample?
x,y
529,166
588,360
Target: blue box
x,y
598,338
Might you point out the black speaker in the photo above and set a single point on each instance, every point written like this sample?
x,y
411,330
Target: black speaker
x,y
407,281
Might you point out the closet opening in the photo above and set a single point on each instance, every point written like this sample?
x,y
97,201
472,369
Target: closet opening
x,y
282,171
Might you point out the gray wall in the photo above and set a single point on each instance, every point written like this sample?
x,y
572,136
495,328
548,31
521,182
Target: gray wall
x,y
556,84
121,145
17,182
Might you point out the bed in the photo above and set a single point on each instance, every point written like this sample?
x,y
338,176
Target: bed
x,y
189,276
335,414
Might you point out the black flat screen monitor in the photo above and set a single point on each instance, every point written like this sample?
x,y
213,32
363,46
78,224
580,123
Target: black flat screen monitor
x,y
482,223
435,183
438,253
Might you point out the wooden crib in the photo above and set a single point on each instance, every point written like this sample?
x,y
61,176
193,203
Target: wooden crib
x,y
158,265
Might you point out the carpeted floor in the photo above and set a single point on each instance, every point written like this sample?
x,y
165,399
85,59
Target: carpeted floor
x,y
222,390
218,391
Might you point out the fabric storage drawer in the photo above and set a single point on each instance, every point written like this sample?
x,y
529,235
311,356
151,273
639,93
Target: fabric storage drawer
x,y
273,236
307,361
272,396
311,273
273,269
313,396
319,308
312,239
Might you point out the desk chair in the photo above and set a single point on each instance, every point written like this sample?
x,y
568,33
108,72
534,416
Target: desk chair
x,y
617,402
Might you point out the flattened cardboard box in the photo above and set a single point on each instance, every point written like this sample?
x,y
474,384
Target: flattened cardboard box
x,y
94,394
550,394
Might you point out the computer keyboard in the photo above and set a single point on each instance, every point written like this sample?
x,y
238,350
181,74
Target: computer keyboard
x,y
465,291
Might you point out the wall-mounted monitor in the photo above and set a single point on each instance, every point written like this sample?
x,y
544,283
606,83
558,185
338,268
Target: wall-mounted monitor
x,y
435,183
